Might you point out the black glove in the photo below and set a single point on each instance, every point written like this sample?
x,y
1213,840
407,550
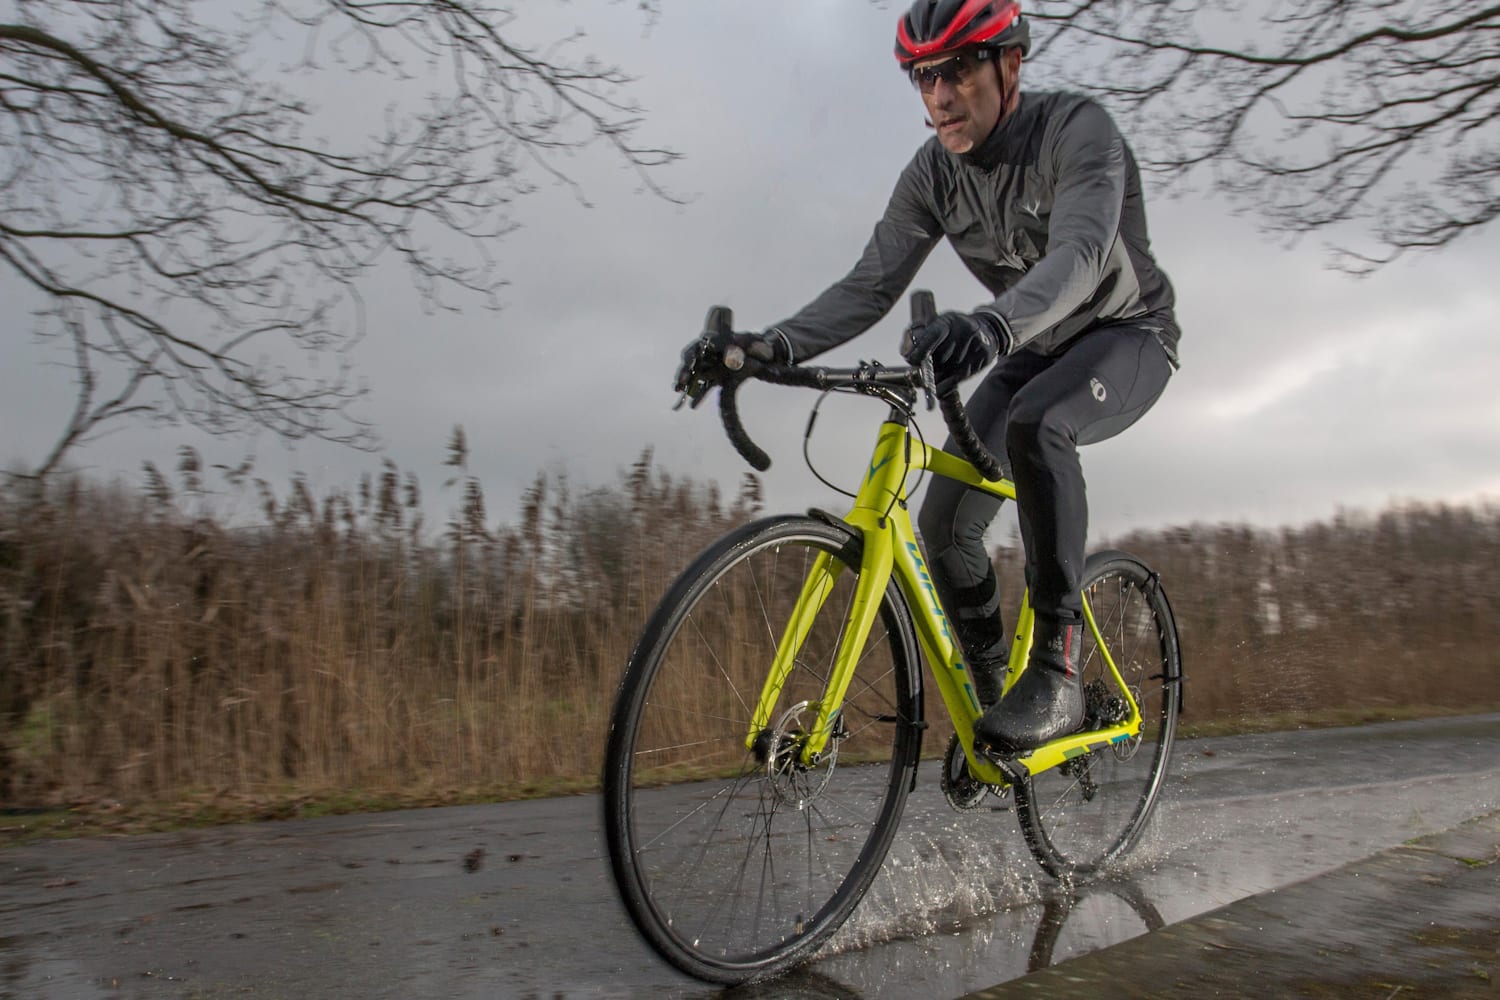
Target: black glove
x,y
960,345
704,363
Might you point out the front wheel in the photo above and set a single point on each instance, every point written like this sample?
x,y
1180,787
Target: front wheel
x,y
1084,814
736,861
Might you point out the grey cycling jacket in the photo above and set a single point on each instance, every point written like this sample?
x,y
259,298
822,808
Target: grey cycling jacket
x,y
1047,213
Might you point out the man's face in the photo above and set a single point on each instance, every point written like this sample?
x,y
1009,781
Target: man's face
x,y
962,94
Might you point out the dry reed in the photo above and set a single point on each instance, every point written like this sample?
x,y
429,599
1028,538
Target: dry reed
x,y
155,645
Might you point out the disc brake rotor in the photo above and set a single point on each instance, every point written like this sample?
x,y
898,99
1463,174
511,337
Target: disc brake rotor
x,y
794,782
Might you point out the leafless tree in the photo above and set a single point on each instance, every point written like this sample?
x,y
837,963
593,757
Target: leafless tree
x,y
1312,113
196,228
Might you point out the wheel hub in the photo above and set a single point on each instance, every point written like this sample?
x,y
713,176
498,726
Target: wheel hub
x,y
1102,709
794,782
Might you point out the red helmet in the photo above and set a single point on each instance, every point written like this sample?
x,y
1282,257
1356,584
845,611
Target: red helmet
x,y
935,27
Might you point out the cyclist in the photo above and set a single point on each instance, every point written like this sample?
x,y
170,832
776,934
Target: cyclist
x,y
1040,197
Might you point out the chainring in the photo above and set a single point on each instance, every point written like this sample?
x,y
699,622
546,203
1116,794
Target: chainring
x,y
964,792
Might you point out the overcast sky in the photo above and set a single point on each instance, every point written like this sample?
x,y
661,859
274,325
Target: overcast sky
x,y
1302,389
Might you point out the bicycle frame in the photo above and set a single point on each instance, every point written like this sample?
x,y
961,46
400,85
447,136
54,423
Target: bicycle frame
x,y
879,514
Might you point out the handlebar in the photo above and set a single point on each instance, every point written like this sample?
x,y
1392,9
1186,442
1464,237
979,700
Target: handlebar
x,y
872,378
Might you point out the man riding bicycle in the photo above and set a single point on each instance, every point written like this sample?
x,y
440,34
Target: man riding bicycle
x,y
1041,198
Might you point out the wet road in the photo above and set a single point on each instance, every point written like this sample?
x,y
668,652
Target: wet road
x,y
513,900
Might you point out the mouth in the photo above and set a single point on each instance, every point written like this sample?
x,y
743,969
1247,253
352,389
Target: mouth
x,y
951,122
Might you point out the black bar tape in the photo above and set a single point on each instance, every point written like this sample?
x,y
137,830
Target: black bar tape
x,y
812,378
729,410
963,433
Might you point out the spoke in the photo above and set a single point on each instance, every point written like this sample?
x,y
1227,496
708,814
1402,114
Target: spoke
x,y
729,870
677,746
733,687
850,810
729,790
662,710
813,856
765,614
707,921
1057,800
769,807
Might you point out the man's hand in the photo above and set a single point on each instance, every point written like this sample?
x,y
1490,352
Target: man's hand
x,y
704,363
960,345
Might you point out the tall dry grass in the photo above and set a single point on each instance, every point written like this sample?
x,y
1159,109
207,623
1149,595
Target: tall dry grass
x,y
174,638
334,643
1381,611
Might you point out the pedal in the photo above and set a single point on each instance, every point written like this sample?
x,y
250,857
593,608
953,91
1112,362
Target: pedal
x,y
997,756
1008,762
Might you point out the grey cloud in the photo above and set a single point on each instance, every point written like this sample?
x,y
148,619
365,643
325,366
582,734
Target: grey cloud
x,y
1301,388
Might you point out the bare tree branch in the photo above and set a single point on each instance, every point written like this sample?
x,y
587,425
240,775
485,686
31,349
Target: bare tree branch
x,y
1315,114
177,205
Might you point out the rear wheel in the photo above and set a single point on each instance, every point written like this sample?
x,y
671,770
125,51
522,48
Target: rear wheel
x,y
736,862
1086,813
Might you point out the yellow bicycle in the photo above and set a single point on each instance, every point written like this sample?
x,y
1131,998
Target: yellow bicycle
x,y
769,724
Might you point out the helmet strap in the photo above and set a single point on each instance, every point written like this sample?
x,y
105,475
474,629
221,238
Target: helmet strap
x,y
1005,94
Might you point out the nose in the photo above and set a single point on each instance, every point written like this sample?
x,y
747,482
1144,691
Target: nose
x,y
943,92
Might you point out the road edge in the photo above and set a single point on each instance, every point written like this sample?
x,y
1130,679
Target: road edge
x,y
1418,920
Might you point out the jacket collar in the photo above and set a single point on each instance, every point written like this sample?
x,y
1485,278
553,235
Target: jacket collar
x,y
1007,134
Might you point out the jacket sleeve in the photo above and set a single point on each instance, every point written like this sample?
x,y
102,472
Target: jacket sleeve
x,y
903,238
1087,158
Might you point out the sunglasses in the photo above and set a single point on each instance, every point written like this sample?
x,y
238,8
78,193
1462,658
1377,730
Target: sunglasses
x,y
951,71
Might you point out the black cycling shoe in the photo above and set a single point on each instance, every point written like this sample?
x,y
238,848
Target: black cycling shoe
x,y
1047,701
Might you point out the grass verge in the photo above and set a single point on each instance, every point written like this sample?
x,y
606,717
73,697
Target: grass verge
x,y
199,809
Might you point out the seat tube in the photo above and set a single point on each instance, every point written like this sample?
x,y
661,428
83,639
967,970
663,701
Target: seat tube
x,y
1020,645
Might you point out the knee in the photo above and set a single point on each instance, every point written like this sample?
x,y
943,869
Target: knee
x,y
938,512
1032,429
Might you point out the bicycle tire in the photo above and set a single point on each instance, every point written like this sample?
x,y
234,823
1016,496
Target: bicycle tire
x,y
1084,815
733,869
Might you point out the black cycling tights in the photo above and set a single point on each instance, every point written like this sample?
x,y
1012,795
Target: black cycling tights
x,y
1033,412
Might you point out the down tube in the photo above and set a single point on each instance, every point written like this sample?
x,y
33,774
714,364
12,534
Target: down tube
x,y
944,655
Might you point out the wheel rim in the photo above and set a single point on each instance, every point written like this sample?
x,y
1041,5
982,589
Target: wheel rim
x,y
1090,810
760,855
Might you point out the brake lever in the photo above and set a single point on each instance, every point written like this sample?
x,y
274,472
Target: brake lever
x,y
734,360
695,388
929,383
923,310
